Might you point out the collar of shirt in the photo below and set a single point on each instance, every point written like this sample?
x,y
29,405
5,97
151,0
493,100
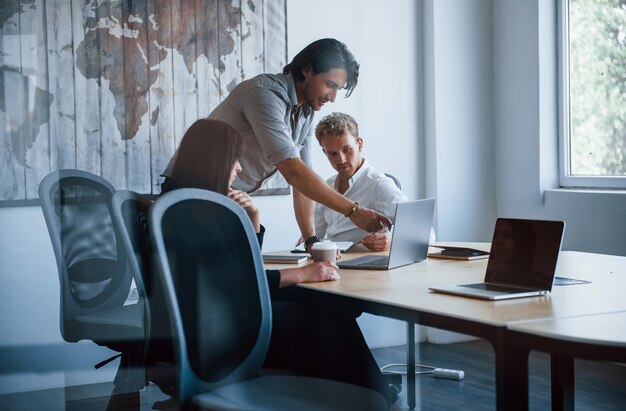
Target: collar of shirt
x,y
293,97
291,90
356,176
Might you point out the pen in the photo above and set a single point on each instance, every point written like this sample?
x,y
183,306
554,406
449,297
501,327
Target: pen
x,y
383,229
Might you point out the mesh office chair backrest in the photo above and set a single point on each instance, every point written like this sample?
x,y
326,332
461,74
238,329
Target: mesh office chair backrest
x,y
130,215
92,265
215,285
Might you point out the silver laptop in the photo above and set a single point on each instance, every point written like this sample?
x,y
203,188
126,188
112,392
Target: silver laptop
x,y
522,261
409,239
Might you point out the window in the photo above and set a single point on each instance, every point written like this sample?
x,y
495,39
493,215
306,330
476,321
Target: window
x,y
593,93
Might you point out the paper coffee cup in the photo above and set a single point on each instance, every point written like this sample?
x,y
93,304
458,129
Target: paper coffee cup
x,y
324,251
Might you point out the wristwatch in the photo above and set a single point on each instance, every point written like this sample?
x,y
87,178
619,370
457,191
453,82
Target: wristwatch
x,y
311,240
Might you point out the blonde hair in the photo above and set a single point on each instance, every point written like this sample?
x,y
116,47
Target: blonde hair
x,y
335,124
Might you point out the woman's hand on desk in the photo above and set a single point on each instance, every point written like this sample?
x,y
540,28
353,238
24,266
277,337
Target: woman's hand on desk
x,y
312,273
380,241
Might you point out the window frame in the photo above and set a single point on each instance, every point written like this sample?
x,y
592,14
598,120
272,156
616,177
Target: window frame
x,y
566,179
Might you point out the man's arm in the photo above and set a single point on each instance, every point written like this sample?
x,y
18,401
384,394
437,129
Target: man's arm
x,y
302,178
303,208
319,221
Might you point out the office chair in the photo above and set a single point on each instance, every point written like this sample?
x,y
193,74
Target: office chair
x,y
130,216
93,270
217,295
395,180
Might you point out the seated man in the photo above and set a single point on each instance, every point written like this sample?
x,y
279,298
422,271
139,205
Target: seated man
x,y
338,134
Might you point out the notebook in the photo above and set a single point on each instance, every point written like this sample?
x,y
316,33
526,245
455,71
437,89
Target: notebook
x,y
409,239
522,261
284,259
458,253
342,245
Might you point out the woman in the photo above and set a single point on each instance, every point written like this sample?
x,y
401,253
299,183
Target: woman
x,y
311,339
207,159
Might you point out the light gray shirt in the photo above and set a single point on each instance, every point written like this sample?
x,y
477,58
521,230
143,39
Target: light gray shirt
x,y
370,188
264,109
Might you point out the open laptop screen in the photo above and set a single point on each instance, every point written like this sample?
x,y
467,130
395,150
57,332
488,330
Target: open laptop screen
x,y
524,253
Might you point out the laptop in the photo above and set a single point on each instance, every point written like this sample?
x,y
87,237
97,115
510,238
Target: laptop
x,y
522,261
409,239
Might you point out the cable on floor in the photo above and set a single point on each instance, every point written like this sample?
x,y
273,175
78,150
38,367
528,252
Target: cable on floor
x,y
388,369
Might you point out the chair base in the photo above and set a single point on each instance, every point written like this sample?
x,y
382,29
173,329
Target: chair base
x,y
290,393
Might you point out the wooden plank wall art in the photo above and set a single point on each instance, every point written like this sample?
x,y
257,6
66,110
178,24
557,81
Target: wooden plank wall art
x,y
111,86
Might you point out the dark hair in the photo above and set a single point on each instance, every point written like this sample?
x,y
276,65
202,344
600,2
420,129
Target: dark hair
x,y
322,56
206,156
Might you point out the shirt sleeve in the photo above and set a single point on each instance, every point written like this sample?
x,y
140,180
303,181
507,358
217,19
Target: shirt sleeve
x,y
267,114
273,280
387,196
320,222
305,152
273,276
260,235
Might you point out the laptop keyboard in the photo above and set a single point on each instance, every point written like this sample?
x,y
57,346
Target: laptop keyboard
x,y
376,261
492,287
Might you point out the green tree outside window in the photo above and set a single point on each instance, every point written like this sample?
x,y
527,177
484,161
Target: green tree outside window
x,y
597,34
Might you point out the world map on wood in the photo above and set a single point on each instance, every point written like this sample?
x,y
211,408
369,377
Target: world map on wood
x,y
111,86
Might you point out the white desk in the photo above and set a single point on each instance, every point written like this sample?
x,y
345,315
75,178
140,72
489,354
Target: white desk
x,y
597,336
607,330
403,293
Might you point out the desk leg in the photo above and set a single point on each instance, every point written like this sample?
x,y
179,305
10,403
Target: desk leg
x,y
516,379
410,364
562,370
503,361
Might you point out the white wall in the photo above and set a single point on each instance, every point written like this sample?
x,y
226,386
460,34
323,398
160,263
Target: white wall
x,y
458,105
29,312
30,285
525,113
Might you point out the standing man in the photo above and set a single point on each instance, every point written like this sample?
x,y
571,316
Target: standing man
x,y
338,134
274,114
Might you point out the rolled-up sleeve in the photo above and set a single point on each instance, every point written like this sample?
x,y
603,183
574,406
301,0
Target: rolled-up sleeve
x,y
268,115
320,222
305,151
273,280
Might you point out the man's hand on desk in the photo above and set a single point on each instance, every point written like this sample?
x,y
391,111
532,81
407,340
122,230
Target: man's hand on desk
x,y
380,241
312,273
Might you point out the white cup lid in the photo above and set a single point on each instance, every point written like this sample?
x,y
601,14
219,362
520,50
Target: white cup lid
x,y
324,245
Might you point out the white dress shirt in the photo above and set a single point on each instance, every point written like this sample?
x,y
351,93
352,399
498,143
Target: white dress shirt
x,y
369,187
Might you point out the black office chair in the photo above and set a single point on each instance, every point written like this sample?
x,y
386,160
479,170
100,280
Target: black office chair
x,y
130,216
93,270
216,290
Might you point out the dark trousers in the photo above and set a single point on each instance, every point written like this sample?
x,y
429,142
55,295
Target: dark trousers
x,y
322,341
